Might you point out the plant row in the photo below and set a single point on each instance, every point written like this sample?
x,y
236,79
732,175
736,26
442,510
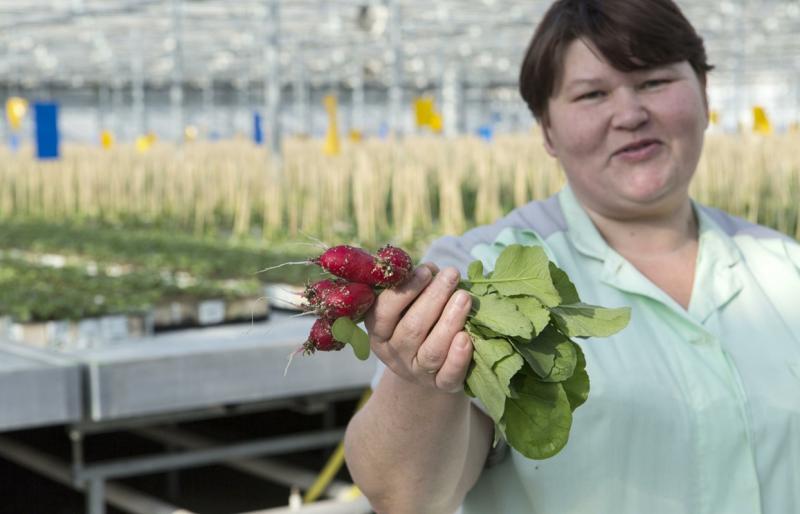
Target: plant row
x,y
32,293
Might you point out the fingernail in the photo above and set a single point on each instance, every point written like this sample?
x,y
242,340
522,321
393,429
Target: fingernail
x,y
450,275
423,272
462,299
462,341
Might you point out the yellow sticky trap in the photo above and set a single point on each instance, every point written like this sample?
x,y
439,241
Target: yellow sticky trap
x,y
424,111
761,124
713,117
16,109
106,139
436,123
355,136
143,143
190,133
332,145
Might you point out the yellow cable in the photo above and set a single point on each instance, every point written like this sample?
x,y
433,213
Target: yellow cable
x,y
333,465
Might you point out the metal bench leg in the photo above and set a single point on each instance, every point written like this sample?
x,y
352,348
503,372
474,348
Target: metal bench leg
x,y
95,497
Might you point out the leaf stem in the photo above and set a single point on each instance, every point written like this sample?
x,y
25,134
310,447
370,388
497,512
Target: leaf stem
x,y
496,280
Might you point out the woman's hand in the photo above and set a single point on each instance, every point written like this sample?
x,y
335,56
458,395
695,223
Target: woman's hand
x,y
417,329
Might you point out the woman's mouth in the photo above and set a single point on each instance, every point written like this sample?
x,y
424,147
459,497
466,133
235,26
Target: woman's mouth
x,y
638,151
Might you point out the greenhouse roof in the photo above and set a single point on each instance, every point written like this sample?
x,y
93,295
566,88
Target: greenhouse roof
x,y
81,43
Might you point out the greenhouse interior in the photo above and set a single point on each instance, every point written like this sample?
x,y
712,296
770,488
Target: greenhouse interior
x,y
161,161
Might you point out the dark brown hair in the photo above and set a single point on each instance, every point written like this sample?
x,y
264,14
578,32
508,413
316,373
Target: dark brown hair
x,y
629,34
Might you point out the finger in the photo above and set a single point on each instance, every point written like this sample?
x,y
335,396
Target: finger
x,y
433,267
420,317
382,318
433,351
453,372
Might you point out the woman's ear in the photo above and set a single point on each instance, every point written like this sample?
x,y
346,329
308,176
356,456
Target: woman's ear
x,y
544,126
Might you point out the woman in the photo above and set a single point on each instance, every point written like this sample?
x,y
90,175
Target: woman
x,y
695,406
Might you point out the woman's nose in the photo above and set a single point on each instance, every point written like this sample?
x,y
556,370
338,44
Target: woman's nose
x,y
629,111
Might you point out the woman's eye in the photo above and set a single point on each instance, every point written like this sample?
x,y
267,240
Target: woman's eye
x,y
590,95
654,83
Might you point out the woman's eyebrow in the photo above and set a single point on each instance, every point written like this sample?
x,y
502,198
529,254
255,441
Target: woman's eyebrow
x,y
582,81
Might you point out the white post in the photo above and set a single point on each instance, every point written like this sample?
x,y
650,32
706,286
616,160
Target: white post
x,y
176,89
358,95
208,104
396,70
272,89
451,100
137,91
301,92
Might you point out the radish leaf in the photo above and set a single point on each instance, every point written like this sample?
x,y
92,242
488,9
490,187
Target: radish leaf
x,y
346,331
538,419
584,320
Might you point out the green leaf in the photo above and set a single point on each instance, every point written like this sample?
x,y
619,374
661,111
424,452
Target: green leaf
x,y
538,419
506,368
524,270
577,386
550,355
492,350
481,331
584,320
531,308
475,272
564,286
501,315
499,432
486,386
499,356
346,331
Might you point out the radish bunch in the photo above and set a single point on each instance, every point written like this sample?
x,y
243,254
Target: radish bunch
x,y
359,277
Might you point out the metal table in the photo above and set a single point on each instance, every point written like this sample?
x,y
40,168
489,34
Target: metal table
x,y
189,374
37,388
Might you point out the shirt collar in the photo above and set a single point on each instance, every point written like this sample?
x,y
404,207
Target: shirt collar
x,y
717,257
580,227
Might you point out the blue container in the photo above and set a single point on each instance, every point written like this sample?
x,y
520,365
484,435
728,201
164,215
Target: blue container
x,y
258,133
47,136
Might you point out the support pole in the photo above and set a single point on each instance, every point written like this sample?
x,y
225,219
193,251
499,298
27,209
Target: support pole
x,y
116,108
208,105
451,100
272,80
176,90
358,95
137,89
103,109
302,93
396,70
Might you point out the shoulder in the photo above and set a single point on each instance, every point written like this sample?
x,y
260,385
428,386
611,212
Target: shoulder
x,y
734,226
754,240
531,223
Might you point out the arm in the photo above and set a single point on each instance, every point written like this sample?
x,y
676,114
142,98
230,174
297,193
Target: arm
x,y
419,445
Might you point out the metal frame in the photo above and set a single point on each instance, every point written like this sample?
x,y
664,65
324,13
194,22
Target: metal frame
x,y
188,450
148,385
397,47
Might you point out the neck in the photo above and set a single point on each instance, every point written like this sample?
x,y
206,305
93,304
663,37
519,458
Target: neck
x,y
650,237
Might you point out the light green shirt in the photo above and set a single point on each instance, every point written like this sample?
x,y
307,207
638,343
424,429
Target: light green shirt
x,y
694,411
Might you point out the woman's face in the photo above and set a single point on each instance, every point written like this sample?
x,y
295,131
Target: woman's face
x,y
629,142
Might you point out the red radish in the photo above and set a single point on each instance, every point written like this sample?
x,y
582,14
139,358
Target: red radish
x,y
390,267
321,339
348,299
348,262
313,292
393,264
